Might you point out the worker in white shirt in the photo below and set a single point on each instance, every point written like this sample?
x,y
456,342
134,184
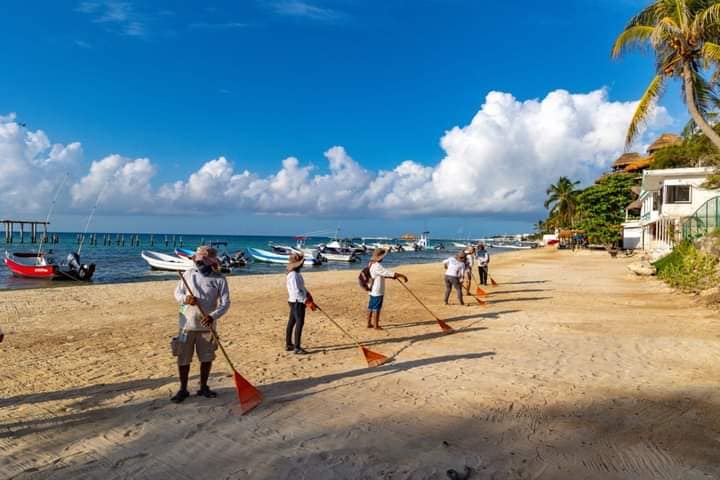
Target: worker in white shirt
x,y
378,274
296,300
483,260
454,272
469,262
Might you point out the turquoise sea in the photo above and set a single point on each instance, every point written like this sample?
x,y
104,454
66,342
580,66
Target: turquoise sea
x,y
122,263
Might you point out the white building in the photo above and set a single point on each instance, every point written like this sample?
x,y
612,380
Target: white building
x,y
667,199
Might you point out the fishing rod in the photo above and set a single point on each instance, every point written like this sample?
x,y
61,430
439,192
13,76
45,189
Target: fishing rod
x,y
92,213
50,210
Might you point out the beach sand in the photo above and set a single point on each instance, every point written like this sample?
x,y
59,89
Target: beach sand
x,y
576,370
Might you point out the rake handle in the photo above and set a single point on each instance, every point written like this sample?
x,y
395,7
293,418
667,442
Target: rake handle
x,y
419,301
347,334
212,328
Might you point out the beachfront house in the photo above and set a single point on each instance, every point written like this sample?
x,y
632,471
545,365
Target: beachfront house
x,y
672,205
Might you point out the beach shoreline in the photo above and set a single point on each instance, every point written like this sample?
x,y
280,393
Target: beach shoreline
x,y
575,369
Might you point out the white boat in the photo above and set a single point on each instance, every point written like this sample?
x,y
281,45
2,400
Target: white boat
x,y
339,254
162,261
272,257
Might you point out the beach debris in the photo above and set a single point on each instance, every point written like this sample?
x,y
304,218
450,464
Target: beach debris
x,y
248,396
642,268
372,358
443,326
455,475
493,282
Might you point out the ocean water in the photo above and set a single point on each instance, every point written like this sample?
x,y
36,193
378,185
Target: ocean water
x,y
123,263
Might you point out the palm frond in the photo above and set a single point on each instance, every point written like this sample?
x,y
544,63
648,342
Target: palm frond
x,y
664,32
631,37
707,18
653,92
710,54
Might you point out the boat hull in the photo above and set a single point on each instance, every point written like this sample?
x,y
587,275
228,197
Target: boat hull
x,y
160,261
269,257
27,271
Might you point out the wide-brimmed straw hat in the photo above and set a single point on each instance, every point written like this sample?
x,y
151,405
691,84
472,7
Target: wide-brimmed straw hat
x,y
460,255
296,260
207,255
378,254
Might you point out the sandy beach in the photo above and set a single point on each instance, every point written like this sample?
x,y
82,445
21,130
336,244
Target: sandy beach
x,y
575,370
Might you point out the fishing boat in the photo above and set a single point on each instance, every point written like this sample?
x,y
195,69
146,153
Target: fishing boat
x,y
227,260
41,265
339,254
163,261
265,256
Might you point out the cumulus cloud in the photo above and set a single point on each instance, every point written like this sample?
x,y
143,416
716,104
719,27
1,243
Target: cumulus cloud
x,y
31,166
500,162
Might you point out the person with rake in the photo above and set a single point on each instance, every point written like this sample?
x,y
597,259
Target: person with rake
x,y
483,261
297,297
378,274
454,273
209,293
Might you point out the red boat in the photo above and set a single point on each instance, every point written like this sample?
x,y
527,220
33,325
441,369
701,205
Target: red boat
x,y
40,265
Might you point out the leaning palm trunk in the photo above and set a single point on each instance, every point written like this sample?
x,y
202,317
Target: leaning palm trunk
x,y
691,102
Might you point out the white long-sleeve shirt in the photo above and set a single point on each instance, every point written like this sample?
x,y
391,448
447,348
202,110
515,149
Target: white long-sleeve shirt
x,y
483,258
296,287
455,268
378,273
212,295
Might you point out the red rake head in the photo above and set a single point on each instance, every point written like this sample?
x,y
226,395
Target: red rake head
x,y
249,396
373,359
494,283
480,292
445,327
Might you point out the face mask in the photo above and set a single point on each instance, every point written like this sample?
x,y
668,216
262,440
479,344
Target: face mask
x,y
204,269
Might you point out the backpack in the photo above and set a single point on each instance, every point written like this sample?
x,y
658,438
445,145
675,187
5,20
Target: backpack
x,y
364,279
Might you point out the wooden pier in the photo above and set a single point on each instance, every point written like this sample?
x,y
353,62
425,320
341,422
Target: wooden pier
x,y
34,225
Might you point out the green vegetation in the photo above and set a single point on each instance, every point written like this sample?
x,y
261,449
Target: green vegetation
x,y
695,151
562,203
688,269
601,208
685,38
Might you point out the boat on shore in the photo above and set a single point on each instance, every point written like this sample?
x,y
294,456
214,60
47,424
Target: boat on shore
x,y
163,261
339,254
265,256
43,266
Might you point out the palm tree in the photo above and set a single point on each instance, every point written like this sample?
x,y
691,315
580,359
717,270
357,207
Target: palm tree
x,y
685,37
562,201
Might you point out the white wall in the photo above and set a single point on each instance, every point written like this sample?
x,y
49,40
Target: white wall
x,y
632,236
698,196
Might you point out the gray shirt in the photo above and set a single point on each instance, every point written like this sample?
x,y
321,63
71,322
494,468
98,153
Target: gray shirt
x,y
212,294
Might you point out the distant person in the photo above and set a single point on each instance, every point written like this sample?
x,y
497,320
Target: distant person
x,y
378,274
483,261
469,262
454,273
297,295
209,291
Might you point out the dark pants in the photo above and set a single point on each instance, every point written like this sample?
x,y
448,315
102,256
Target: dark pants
x,y
296,320
450,283
483,271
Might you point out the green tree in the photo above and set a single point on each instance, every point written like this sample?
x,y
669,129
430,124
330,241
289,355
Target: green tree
x,y
601,207
685,38
562,202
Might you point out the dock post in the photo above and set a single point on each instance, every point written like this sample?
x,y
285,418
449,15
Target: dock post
x,y
152,240
32,233
174,242
181,242
166,241
22,232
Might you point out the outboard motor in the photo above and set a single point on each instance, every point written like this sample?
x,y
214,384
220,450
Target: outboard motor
x,y
78,270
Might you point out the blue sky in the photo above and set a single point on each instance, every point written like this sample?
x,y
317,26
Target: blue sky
x,y
255,82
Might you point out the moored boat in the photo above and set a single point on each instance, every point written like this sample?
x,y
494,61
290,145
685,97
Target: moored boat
x,y
163,261
43,266
265,256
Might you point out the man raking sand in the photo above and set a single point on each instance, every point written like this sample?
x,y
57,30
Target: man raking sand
x,y
209,293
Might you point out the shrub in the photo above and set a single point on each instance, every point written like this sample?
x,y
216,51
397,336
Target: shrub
x,y
688,269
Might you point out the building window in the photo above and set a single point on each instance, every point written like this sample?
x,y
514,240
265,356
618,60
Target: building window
x,y
677,194
656,200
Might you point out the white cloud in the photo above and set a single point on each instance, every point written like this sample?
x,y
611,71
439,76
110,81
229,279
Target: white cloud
x,y
31,167
298,8
501,162
119,14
